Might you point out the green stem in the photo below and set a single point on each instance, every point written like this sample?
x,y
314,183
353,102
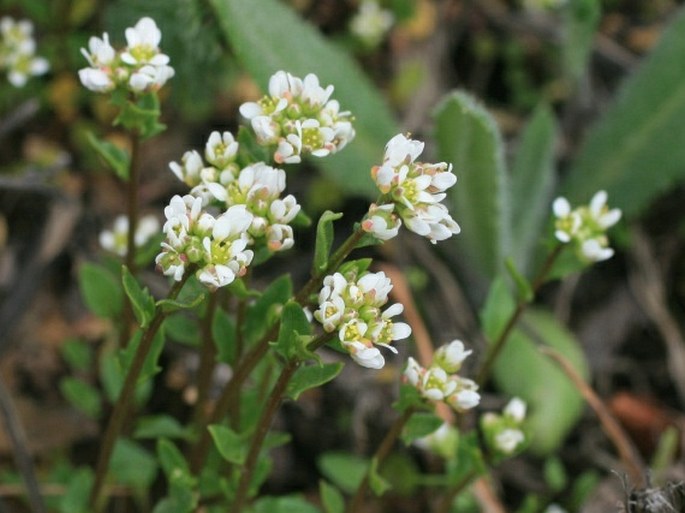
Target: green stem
x,y
121,407
452,492
254,356
132,202
496,348
355,505
272,404
207,359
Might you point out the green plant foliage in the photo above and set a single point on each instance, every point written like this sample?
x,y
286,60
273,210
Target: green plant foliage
x,y
140,116
141,300
635,151
284,504
82,396
182,328
150,366
295,46
378,484
224,336
498,308
293,337
75,498
173,305
156,426
532,180
344,470
132,465
324,239
581,19
78,354
331,498
231,445
419,425
468,137
100,290
555,406
116,158
311,376
264,311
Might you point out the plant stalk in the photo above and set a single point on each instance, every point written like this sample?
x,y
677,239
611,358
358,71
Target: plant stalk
x,y
205,369
496,348
355,505
121,407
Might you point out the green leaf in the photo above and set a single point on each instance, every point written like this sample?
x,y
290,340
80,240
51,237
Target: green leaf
x,y
331,498
231,445
115,157
343,469
378,484
183,329
285,504
78,354
132,465
531,185
171,459
295,46
141,116
150,367
409,397
75,498
173,305
311,376
224,335
419,425
523,286
82,396
141,300
581,19
498,308
324,239
276,439
293,334
100,290
262,314
635,152
555,407
156,426
468,137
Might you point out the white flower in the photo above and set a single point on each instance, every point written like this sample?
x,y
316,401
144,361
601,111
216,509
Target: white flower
x,y
221,149
143,44
150,77
96,80
595,250
451,356
371,23
190,168
516,410
381,221
369,357
466,396
509,439
432,221
413,371
116,240
100,53
17,52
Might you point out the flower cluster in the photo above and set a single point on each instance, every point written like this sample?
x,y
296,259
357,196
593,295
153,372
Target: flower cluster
x,y
412,192
440,382
298,117
116,239
221,182
371,23
216,246
352,307
585,227
17,51
503,433
139,67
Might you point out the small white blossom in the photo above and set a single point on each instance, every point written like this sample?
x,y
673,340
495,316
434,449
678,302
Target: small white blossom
x,y
382,222
371,23
17,52
416,188
508,440
451,356
353,308
299,118
443,441
503,432
585,227
116,239
515,409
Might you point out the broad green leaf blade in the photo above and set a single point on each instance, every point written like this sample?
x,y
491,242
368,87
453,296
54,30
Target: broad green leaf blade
x,y
293,333
141,300
132,465
284,504
75,498
343,470
264,311
310,376
532,180
581,18
156,426
171,459
636,151
100,290
267,36
82,396
521,370
378,484
324,239
116,158
331,499
468,137
231,445
419,425
224,335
